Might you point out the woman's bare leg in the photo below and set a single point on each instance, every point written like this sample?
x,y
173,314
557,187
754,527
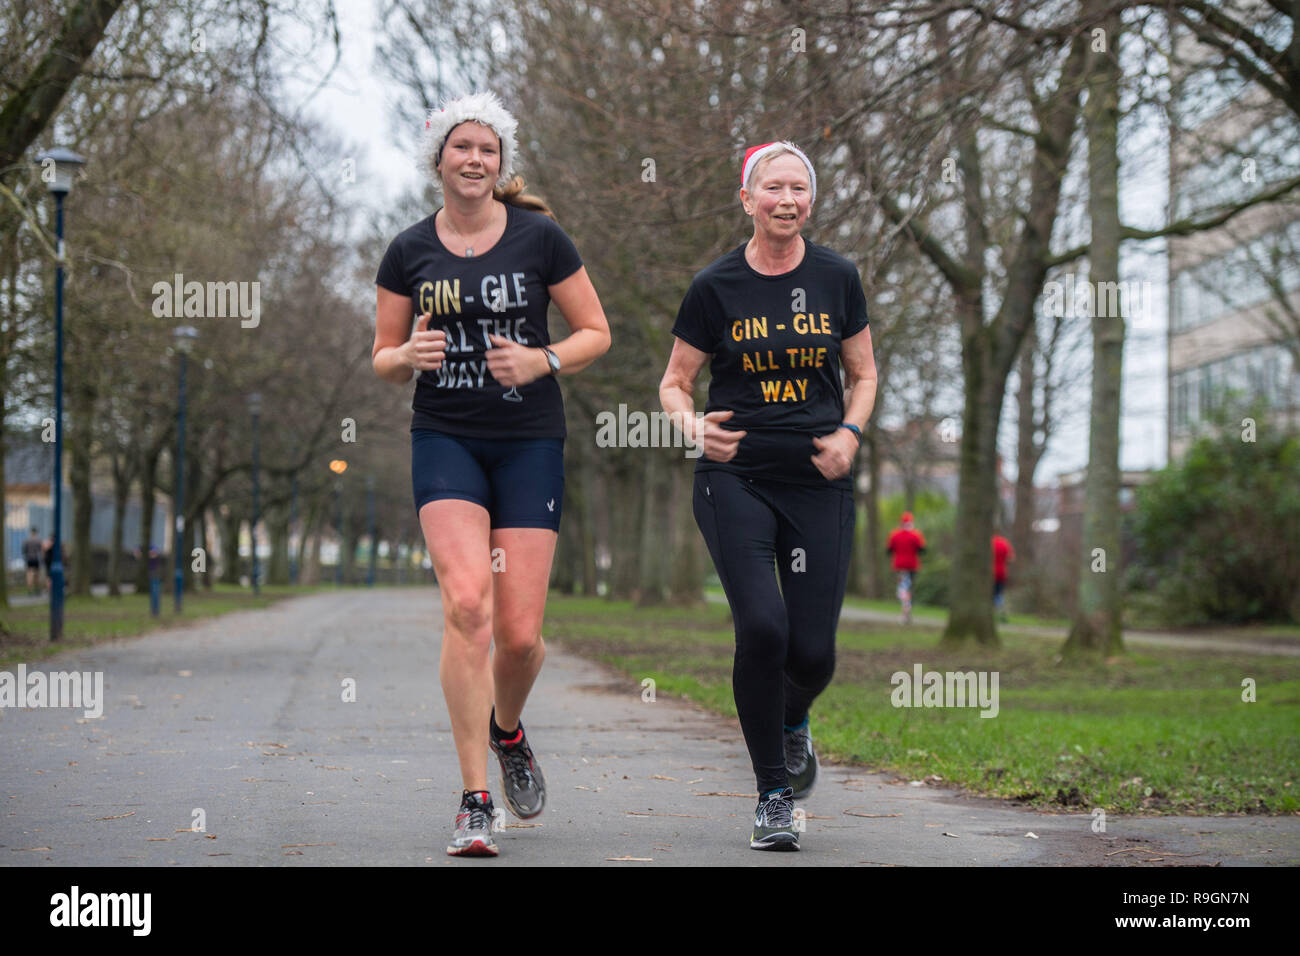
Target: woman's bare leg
x,y
456,533
519,603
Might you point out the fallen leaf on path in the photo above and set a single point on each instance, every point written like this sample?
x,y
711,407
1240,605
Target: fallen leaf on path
x,y
725,793
696,780
158,839
659,776
292,853
118,817
24,849
946,833
651,813
285,846
633,859
873,815
521,826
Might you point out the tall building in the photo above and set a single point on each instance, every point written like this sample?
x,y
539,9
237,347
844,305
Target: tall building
x,y
1234,303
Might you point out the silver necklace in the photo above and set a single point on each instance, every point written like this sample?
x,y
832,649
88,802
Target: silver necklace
x,y
469,249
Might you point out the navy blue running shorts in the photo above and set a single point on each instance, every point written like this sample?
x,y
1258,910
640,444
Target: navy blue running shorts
x,y
520,481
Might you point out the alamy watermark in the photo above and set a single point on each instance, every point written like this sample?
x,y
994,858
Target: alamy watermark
x,y
212,300
924,688
638,429
56,689
75,908
1081,299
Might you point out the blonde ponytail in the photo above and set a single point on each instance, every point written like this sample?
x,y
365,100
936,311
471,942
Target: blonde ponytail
x,y
513,194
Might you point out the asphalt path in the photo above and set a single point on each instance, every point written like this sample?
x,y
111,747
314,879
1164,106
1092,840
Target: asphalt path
x,y
243,718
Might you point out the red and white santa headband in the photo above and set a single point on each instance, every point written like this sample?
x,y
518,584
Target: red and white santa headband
x,y
756,153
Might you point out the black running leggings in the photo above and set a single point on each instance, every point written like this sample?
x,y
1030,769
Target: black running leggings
x,y
785,638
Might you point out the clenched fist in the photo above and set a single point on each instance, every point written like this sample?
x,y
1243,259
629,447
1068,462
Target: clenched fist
x,y
426,349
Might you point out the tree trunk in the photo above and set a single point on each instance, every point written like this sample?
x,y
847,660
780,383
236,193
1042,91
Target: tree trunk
x,y
1096,625
655,526
873,537
30,108
205,523
230,524
686,546
148,476
624,515
971,611
587,546
83,502
277,525
121,493
1028,454
311,569
988,353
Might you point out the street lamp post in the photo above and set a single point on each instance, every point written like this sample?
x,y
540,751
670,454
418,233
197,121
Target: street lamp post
x,y
255,406
58,167
185,336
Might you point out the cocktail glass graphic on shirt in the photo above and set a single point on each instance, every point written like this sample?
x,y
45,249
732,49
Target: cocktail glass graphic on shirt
x,y
497,303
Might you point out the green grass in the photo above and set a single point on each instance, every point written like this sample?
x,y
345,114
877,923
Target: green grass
x,y
25,631
1156,731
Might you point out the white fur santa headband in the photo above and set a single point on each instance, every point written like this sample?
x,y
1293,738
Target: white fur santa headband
x,y
482,108
756,153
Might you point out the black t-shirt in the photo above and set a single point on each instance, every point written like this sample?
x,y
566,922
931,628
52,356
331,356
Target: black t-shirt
x,y
775,346
501,292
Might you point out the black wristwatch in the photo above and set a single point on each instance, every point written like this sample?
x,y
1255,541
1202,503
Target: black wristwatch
x,y
553,360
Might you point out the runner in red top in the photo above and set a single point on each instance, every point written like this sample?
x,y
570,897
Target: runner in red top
x,y
906,544
1002,553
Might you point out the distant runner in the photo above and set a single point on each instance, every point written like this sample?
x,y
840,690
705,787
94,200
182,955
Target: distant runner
x,y
906,544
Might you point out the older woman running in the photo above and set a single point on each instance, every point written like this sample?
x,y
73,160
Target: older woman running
x,y
774,318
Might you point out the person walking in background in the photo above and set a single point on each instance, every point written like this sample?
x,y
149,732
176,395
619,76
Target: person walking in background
x,y
32,550
906,544
1002,553
47,558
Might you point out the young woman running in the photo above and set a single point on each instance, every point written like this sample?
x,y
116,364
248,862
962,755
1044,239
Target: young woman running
x,y
487,433
774,318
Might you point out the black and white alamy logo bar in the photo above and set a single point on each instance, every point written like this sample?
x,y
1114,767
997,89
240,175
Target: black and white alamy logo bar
x,y
102,909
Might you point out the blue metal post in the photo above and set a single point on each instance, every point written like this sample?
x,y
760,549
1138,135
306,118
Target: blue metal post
x,y
178,533
257,589
56,559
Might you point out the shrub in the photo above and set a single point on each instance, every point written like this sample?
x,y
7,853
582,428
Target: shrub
x,y
1218,533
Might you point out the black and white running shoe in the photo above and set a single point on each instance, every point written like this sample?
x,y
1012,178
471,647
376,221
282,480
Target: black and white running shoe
x,y
800,761
522,785
774,822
